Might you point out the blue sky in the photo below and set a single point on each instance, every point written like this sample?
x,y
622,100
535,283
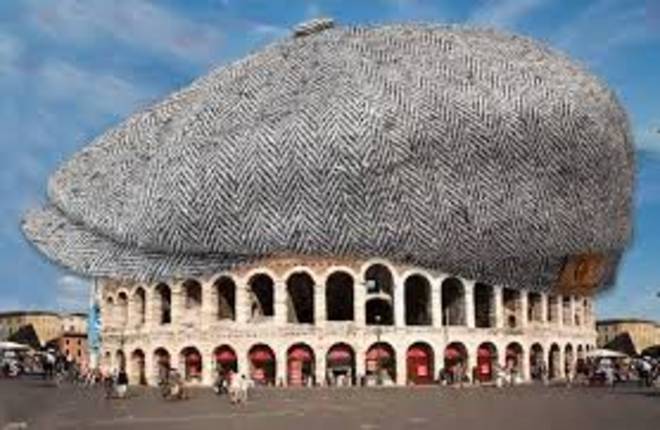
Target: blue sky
x,y
71,68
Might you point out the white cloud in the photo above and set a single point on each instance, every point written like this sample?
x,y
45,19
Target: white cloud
x,y
602,28
135,22
504,13
72,293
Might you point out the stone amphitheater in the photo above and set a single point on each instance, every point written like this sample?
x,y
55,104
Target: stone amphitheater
x,y
302,320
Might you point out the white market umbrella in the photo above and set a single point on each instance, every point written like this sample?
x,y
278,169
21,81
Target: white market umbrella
x,y
605,353
13,346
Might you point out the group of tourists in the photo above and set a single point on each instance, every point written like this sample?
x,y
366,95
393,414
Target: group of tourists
x,y
233,385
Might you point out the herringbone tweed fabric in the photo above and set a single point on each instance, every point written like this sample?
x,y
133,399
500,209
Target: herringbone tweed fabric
x,y
480,153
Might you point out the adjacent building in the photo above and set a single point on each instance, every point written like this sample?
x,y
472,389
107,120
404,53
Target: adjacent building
x,y
631,335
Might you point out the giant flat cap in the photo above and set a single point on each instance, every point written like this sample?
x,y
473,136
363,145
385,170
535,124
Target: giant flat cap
x,y
475,152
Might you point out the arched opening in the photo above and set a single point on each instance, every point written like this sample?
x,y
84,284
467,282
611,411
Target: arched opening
x,y
417,293
419,363
553,309
537,363
225,291
262,364
380,364
109,312
534,307
585,311
300,366
340,365
164,303
261,297
120,360
577,315
484,305
554,362
122,309
455,362
162,363
514,359
191,361
512,307
566,310
138,372
192,291
486,362
339,297
569,360
140,306
581,365
300,298
380,295
225,359
453,302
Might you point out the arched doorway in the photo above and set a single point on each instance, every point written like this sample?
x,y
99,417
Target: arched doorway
x,y
537,363
380,295
191,362
339,297
569,361
108,313
122,309
453,302
486,362
340,365
581,365
381,364
417,295
484,305
261,297
192,291
455,362
225,359
300,366
535,307
419,362
514,359
139,306
225,292
300,298
162,363
120,360
164,303
262,364
138,374
554,362
512,308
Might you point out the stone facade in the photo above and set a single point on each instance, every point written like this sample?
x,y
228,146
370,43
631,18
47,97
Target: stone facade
x,y
300,308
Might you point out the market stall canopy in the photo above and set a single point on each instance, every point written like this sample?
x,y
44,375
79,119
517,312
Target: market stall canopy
x,y
476,152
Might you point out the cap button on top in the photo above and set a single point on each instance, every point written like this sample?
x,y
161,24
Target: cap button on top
x,y
313,26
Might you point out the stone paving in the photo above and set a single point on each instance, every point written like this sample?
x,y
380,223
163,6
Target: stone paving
x,y
40,405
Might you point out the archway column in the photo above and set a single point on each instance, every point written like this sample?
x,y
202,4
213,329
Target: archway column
x,y
320,309
177,304
499,306
573,308
242,302
280,302
544,308
320,366
468,288
560,310
209,305
359,304
525,365
360,364
436,302
281,367
149,366
399,303
208,367
401,355
524,308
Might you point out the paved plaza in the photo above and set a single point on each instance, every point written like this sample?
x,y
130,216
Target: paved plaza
x,y
43,406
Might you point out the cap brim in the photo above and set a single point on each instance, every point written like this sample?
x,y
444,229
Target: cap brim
x,y
89,253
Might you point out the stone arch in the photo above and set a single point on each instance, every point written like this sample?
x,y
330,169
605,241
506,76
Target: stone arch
x,y
261,296
340,365
553,309
566,311
225,359
514,356
191,364
420,359
537,362
534,307
580,365
456,362
301,365
262,364
417,299
300,298
484,305
163,303
120,359
138,373
379,303
554,362
569,360
487,359
162,363
139,300
453,302
512,308
339,296
109,312
224,289
122,308
192,293
380,364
